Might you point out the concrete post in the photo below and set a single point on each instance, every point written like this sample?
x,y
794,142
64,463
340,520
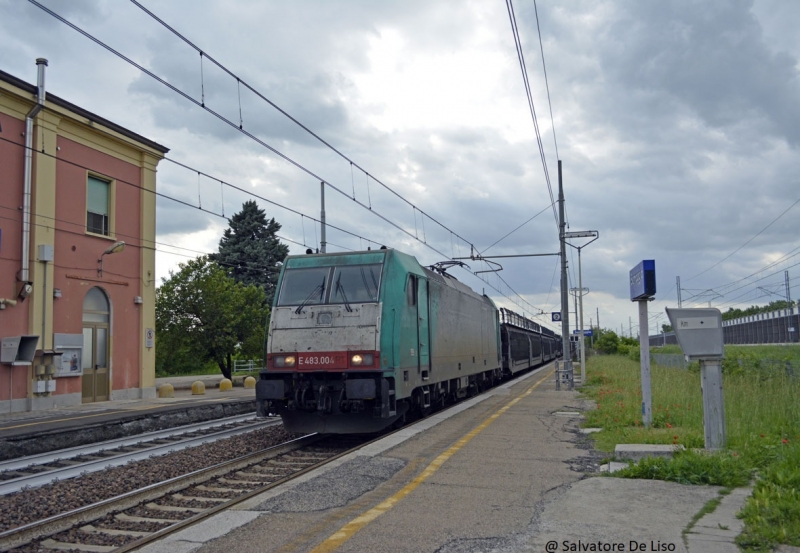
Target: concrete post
x,y
644,352
713,405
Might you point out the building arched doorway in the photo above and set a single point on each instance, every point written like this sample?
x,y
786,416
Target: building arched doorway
x,y
96,317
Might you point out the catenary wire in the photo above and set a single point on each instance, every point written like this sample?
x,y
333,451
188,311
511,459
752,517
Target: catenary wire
x,y
287,115
546,83
748,241
529,96
264,144
233,125
177,200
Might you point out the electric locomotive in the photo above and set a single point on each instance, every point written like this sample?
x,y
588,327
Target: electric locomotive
x,y
358,340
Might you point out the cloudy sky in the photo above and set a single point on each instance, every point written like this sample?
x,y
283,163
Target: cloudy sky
x,y
678,125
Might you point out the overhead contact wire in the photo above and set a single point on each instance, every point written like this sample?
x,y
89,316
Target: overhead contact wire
x,y
282,111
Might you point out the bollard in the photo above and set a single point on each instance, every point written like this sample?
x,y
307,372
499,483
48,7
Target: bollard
x,y
225,384
166,391
198,388
249,383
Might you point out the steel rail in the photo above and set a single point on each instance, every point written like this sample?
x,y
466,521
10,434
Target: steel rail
x,y
73,471
21,535
159,534
82,450
244,497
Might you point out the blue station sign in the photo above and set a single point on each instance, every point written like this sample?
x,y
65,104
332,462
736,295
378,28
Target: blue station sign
x,y
643,280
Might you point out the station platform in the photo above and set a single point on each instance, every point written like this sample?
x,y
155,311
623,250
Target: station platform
x,y
507,471
33,432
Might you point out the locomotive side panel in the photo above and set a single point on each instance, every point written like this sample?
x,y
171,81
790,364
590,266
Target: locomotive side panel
x,y
463,331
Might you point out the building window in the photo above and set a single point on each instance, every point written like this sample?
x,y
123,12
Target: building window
x,y
98,194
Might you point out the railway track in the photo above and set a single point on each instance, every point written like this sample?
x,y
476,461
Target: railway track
x,y
38,470
133,519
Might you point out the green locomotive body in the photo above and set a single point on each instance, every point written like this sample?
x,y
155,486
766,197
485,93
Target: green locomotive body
x,y
358,340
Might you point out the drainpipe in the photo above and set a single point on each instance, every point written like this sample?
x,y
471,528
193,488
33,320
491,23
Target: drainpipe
x,y
41,63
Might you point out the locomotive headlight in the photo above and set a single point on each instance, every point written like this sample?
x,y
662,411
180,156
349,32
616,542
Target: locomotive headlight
x,y
284,360
359,359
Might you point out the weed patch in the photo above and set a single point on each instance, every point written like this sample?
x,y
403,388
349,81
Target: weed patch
x,y
762,413
689,467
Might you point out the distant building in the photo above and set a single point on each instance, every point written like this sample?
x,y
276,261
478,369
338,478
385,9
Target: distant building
x,y
77,308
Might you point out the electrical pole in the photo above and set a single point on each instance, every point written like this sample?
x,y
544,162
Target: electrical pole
x,y
322,242
598,318
789,301
575,301
564,290
678,286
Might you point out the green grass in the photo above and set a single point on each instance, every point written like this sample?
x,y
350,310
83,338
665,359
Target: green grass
x,y
689,467
771,352
762,409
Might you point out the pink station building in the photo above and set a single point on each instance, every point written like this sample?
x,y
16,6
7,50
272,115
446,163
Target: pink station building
x,y
77,253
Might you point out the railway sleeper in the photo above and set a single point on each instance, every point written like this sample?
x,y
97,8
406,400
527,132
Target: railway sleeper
x,y
171,509
215,489
89,529
181,497
248,483
64,546
122,517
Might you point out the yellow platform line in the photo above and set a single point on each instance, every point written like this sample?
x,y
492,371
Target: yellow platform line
x,y
350,529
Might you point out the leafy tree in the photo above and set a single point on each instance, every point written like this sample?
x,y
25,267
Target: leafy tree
x,y
608,342
204,314
735,313
666,328
249,250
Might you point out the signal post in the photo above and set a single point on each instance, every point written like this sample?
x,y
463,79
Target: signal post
x,y
643,290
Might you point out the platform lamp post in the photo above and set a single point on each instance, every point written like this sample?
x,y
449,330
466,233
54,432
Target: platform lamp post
x,y
594,235
116,247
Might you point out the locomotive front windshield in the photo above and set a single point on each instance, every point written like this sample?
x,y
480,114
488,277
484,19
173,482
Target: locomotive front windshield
x,y
331,285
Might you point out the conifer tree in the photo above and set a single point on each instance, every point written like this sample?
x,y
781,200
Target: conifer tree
x,y
249,250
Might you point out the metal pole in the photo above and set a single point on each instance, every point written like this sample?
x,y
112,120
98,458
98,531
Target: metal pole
x,y
598,317
789,301
678,286
713,406
322,242
564,290
27,177
644,352
575,301
583,353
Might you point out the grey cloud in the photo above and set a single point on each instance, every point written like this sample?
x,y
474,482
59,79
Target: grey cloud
x,y
710,56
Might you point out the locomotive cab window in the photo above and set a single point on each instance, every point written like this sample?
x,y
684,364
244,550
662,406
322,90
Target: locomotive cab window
x,y
355,284
411,290
304,286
